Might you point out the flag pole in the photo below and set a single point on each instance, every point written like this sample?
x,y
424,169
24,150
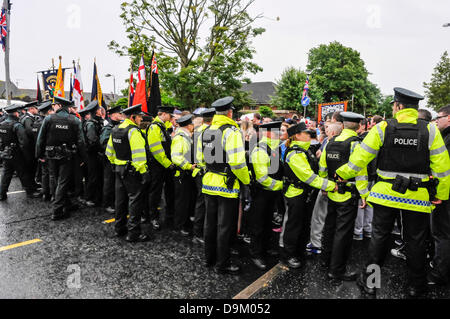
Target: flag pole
x,y
7,6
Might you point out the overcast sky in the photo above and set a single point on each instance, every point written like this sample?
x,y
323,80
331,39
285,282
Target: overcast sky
x,y
400,40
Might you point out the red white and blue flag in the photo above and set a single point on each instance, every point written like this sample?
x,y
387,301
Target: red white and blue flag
x,y
305,98
131,90
78,98
3,29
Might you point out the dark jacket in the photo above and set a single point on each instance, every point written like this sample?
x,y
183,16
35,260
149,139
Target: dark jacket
x,y
446,136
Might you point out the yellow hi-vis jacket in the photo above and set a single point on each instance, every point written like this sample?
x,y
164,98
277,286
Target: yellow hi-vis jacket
x,y
382,192
215,184
137,146
362,180
261,163
181,152
198,144
155,137
299,164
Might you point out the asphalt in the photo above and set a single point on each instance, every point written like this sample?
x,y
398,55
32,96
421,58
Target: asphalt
x,y
168,267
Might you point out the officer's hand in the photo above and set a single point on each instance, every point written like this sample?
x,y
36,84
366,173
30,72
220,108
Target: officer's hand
x,y
42,160
336,188
82,164
364,204
195,172
194,166
437,202
324,193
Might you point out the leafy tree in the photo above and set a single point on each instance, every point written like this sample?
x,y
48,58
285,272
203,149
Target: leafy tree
x,y
338,73
194,71
288,92
384,107
266,111
438,89
122,102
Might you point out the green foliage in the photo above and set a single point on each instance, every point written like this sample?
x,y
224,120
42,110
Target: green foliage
x,y
438,89
266,111
384,107
337,73
194,72
288,92
122,102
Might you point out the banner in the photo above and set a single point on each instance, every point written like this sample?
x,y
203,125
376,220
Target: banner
x,y
49,81
327,108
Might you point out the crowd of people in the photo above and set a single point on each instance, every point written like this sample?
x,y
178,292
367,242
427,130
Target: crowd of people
x,y
314,186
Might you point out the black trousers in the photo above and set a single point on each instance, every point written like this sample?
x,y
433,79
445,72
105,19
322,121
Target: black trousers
x,y
109,180
415,231
338,234
261,215
79,173
63,170
184,201
94,185
440,229
15,165
297,226
47,180
220,223
161,179
200,208
128,202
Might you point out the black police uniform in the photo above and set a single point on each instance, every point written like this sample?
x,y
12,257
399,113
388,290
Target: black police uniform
x,y
14,145
92,129
60,138
28,121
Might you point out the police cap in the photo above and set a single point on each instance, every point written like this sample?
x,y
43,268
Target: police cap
x,y
224,104
270,126
82,112
62,101
407,97
45,106
166,109
208,113
134,110
296,129
31,104
352,117
92,107
185,120
116,109
13,108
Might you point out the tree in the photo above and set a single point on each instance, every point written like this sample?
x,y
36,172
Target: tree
x,y
193,71
122,102
288,91
384,108
338,73
266,111
438,89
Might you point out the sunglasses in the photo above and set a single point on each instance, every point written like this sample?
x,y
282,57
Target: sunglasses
x,y
441,117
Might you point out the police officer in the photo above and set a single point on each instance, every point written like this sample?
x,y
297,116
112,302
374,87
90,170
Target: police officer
x,y
14,145
115,117
224,154
27,121
408,150
126,151
267,183
92,129
182,154
47,182
200,208
342,205
161,167
300,179
60,138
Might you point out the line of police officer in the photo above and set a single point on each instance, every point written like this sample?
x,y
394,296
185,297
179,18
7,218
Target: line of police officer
x,y
214,159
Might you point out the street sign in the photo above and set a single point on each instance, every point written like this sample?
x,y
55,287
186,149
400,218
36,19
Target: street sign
x,y
305,102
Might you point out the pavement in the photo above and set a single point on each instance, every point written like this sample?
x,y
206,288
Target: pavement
x,y
80,258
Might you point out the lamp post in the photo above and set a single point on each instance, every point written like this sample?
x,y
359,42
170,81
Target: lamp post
x,y
114,79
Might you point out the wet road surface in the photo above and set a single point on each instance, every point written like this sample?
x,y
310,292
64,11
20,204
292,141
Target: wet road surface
x,y
169,267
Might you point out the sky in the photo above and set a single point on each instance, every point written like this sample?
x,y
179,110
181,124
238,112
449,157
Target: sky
x,y
401,41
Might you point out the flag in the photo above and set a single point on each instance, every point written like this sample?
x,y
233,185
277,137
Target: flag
x,y
155,93
131,89
96,88
305,98
78,89
59,87
3,28
140,96
71,87
38,92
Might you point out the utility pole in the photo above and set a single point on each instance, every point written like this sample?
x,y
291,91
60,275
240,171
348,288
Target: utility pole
x,y
7,6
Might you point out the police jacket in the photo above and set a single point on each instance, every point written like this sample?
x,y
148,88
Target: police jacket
x,y
106,133
297,164
403,140
92,131
127,145
215,184
159,142
11,131
266,168
332,154
446,137
58,129
28,121
182,152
